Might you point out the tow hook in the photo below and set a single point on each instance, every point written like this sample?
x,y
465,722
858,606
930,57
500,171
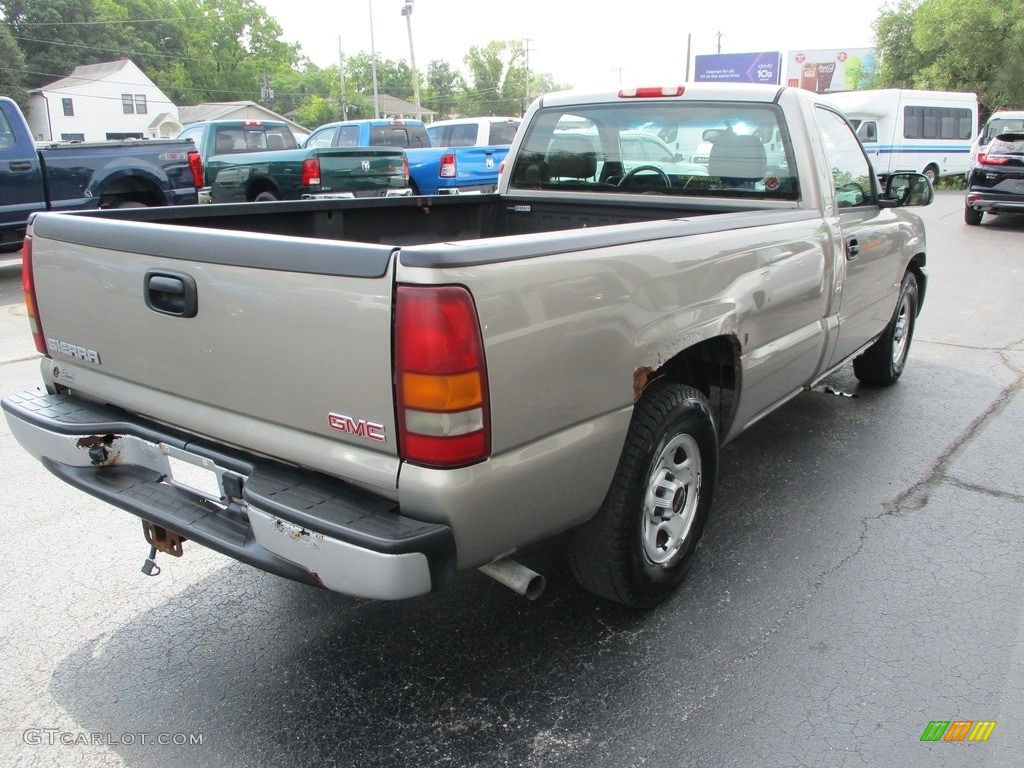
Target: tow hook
x,y
160,539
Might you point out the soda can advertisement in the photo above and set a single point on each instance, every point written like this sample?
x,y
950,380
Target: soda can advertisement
x,y
830,70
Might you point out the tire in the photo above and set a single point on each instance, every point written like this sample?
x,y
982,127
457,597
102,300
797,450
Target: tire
x,y
131,204
933,174
629,552
265,197
971,216
883,362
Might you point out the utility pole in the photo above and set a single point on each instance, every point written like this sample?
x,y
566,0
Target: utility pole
x,y
266,93
522,112
341,69
719,34
373,65
407,12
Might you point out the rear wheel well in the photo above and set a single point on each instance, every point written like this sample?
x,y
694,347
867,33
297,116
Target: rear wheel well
x,y
263,185
131,189
711,366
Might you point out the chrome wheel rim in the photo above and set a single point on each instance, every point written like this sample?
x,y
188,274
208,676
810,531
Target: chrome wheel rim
x,y
900,337
671,499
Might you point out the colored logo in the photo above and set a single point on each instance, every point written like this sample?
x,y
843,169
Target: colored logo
x,y
958,730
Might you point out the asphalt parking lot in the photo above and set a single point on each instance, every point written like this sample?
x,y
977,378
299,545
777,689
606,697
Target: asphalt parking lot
x,y
861,578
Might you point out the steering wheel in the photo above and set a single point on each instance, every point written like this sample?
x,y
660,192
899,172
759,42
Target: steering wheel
x,y
630,175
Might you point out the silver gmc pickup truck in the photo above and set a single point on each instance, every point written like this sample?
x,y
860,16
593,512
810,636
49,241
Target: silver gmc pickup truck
x,y
374,395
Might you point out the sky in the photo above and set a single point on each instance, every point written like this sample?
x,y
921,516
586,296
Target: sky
x,y
586,45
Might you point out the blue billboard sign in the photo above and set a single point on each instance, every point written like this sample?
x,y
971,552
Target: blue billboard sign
x,y
762,67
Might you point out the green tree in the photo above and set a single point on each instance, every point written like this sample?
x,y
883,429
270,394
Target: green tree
x,y
228,47
12,69
58,35
442,88
957,45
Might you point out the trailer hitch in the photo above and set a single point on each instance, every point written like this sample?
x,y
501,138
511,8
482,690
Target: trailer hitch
x,y
160,539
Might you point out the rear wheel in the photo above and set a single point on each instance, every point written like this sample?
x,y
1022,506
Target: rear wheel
x,y
265,197
883,362
972,216
641,543
933,174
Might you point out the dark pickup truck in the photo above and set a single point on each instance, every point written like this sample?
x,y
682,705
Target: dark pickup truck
x,y
260,161
66,176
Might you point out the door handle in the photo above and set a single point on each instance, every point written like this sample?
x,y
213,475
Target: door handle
x,y
171,293
20,165
852,249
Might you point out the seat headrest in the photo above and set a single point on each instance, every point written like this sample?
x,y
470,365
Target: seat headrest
x,y
738,157
572,158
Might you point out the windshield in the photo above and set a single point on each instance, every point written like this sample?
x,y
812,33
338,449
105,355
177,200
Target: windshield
x,y
695,148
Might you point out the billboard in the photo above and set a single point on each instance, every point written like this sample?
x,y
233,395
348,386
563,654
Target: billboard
x,y
831,69
760,67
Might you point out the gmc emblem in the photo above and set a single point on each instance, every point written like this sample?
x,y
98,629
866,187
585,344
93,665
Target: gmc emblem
x,y
360,428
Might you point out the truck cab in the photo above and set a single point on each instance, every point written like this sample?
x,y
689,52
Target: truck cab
x,y
20,176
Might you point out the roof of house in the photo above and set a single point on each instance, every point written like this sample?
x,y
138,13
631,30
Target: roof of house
x,y
87,73
391,105
230,110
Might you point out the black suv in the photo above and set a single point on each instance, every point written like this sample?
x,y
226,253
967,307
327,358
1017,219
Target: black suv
x,y
996,182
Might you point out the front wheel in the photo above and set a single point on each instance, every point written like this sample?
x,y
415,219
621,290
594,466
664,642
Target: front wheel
x,y
933,174
640,544
883,362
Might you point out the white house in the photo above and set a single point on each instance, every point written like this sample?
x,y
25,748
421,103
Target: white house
x,y
101,102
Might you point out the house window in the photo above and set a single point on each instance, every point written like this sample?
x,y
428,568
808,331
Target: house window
x,y
69,107
72,137
140,104
127,104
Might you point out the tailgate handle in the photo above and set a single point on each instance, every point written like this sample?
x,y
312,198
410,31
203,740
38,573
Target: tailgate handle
x,y
171,293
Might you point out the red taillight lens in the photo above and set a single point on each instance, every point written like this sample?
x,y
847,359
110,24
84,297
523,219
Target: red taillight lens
x,y
195,164
405,166
440,377
28,284
992,160
447,166
311,172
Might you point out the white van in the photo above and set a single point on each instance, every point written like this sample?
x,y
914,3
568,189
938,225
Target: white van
x,y
930,132
1000,121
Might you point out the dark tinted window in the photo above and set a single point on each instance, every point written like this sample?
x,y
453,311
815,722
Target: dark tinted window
x,y
503,131
937,123
1007,144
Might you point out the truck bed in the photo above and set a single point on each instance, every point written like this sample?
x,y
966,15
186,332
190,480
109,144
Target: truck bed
x,y
403,221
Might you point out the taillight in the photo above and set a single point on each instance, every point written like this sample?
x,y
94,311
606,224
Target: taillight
x,y
447,166
28,285
440,377
311,172
992,160
195,164
405,167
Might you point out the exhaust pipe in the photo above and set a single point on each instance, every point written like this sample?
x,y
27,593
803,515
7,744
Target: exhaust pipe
x,y
516,577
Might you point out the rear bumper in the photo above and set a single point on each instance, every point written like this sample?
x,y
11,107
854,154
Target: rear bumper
x,y
291,522
987,202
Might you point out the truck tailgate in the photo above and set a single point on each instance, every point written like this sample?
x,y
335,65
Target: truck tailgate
x,y
361,169
218,333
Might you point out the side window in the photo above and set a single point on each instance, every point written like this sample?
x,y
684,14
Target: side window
x,y
321,138
851,173
463,135
6,132
868,132
348,136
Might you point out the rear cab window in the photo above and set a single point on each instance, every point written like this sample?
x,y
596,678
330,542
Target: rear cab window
x,y
707,149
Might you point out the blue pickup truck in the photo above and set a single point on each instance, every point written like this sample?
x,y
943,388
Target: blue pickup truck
x,y
432,170
104,174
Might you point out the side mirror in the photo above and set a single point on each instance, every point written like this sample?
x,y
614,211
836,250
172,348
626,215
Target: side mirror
x,y
907,189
